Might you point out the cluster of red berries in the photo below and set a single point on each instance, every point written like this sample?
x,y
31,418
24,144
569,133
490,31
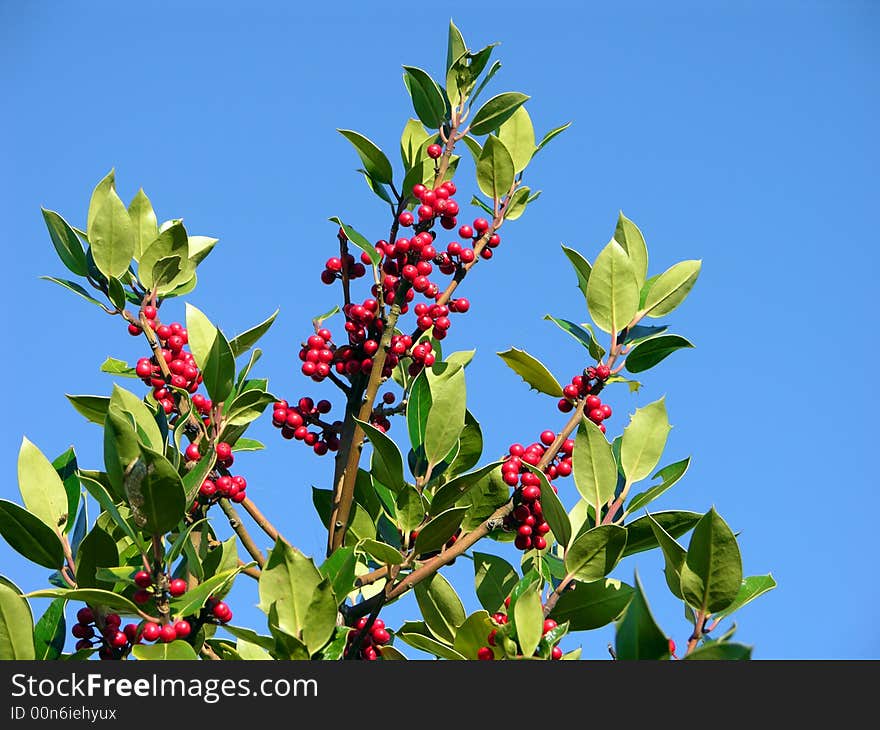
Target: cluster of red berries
x,y
485,653
147,588
434,203
336,265
184,373
377,636
590,382
294,422
378,417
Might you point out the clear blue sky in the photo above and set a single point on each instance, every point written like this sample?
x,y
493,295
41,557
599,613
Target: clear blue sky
x,y
740,133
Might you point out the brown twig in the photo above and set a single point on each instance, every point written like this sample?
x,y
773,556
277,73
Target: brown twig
x,y
240,530
261,520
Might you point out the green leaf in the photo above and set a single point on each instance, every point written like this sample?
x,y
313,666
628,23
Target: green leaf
x,y
212,353
493,69
553,510
16,624
592,605
495,171
124,402
445,420
143,220
474,147
435,534
244,444
494,579
154,492
455,46
646,355
411,141
669,475
49,632
288,581
116,294
41,488
358,240
638,635
473,633
456,488
628,235
382,553
553,133
66,467
673,555
192,480
470,446
440,606
417,408
183,535
613,289
410,508
644,439
386,463
750,589
518,136
339,568
532,371
251,637
248,407
640,535
98,550
172,243
111,235
97,490
712,573
240,344
516,206
427,644
486,496
320,620
427,98
528,617
375,162
496,111
91,596
176,650
115,366
640,333
582,268
192,601
593,554
583,334
670,288
66,243
726,651
593,465
29,536
76,288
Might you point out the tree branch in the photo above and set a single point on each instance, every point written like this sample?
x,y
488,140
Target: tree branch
x,y
240,530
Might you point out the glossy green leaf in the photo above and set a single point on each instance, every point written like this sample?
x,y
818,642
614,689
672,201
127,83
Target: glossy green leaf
x,y
429,645
417,408
581,266
613,289
320,620
192,480
192,601
381,552
29,536
410,508
427,98
552,134
447,495
154,492
516,205
750,589
339,568
638,636
99,195
174,651
640,535
212,353
496,111
440,606
41,488
248,407
669,475
436,532
518,136
673,555
111,235
66,243
712,573
593,465
387,461
628,235
77,289
144,223
528,617
157,267
91,596
124,402
644,439
474,147
472,635
455,45
445,420
67,469
244,444
16,624
98,550
288,581
532,371
358,240
375,161
240,344
593,554
494,579
115,366
495,170
718,651
592,605
49,632
470,446
200,247
650,352
102,496
483,500
670,288
411,141
582,334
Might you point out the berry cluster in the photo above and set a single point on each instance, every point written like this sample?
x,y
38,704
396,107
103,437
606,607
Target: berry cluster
x,y
434,203
294,422
219,483
336,266
485,653
147,588
377,636
589,383
184,374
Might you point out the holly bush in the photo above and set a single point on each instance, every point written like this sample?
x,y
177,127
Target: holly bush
x,y
393,521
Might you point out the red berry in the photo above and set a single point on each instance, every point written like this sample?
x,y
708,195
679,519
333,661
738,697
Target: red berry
x,y
144,368
134,330
671,646
485,653
82,631
603,372
592,401
118,640
182,629
150,311
193,453
112,620
222,612
539,542
606,410
556,653
142,579
334,264
548,437
177,587
467,255
549,625
434,151
596,415
167,633
462,305
151,631
481,225
224,451
466,232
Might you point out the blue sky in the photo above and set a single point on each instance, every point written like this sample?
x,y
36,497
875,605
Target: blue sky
x,y
743,134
